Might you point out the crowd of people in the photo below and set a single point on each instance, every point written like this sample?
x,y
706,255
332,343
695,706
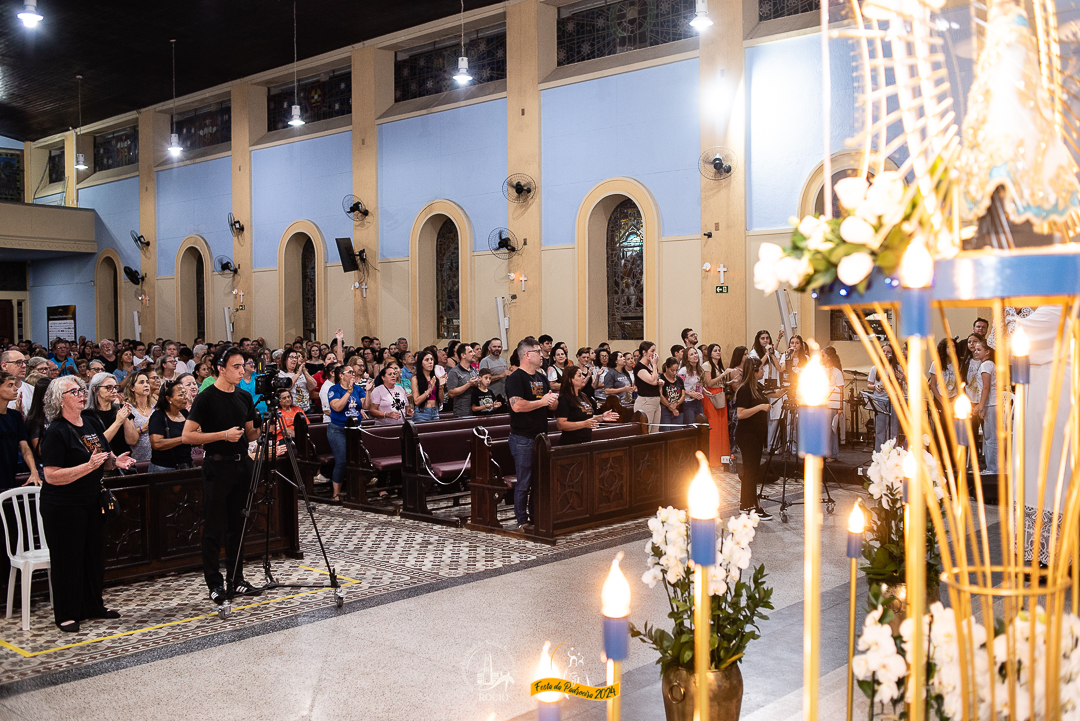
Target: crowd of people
x,y
76,411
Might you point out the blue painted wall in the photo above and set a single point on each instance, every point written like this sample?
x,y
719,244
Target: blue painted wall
x,y
62,281
457,155
305,180
116,207
643,124
193,200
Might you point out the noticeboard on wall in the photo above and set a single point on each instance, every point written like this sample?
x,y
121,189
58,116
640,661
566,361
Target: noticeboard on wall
x,y
61,322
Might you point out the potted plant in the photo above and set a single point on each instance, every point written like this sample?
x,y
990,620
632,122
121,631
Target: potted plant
x,y
884,548
737,606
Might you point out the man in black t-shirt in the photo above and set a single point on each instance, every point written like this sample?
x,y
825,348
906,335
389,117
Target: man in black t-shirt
x,y
223,420
530,397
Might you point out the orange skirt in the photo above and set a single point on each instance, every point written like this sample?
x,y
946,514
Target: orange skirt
x,y
719,445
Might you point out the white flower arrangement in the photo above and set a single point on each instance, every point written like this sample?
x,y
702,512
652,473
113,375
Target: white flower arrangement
x,y
886,473
737,602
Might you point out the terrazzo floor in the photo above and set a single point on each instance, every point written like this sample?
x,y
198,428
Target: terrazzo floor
x,y
438,623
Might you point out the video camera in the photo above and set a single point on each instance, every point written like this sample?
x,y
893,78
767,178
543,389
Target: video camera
x,y
267,383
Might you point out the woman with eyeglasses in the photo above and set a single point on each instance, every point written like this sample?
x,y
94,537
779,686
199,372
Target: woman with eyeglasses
x,y
166,368
168,450
345,400
137,395
302,384
75,454
102,401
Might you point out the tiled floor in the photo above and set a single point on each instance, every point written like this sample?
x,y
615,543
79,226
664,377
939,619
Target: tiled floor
x,y
428,609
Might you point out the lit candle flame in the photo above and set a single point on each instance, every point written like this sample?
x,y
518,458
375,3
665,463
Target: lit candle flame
x,y
1021,346
813,383
909,465
916,266
856,521
616,592
704,499
962,409
546,669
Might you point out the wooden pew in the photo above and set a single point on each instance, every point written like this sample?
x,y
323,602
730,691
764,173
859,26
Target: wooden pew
x,y
494,475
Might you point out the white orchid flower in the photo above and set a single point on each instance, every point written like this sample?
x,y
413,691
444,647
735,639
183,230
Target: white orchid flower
x,y
854,268
884,197
855,230
765,277
851,192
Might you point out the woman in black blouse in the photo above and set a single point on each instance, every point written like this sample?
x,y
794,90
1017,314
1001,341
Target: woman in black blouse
x,y
647,380
167,451
120,430
752,410
75,453
576,415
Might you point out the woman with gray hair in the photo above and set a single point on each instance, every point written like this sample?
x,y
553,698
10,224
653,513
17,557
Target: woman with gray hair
x,y
102,401
75,454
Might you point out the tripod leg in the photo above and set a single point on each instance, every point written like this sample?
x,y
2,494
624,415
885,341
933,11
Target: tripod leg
x,y
260,458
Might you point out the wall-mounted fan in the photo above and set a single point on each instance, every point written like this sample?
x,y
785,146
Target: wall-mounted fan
x,y
354,208
133,275
519,188
717,163
235,226
503,243
222,264
140,241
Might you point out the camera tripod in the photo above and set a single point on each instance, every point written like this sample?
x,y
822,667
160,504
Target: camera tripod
x,y
265,474
786,443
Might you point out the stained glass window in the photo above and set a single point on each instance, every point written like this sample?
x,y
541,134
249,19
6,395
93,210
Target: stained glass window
x,y
773,9
307,289
447,279
321,97
626,273
430,70
116,149
11,175
205,126
56,165
591,32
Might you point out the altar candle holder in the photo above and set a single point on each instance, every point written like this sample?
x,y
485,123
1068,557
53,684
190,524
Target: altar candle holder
x,y
856,528
815,429
704,508
615,598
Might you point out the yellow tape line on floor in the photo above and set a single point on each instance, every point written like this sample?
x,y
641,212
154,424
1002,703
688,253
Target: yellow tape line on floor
x,y
31,654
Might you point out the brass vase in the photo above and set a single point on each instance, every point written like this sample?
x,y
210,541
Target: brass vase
x,y
725,694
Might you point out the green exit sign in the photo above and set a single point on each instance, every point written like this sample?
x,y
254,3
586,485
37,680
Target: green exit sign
x,y
721,289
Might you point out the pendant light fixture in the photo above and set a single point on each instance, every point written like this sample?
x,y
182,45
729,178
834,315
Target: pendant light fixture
x,y
462,76
174,140
701,16
296,121
30,16
80,159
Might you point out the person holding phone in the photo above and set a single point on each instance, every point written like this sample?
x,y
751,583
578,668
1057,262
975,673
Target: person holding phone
x,y
345,401
647,380
460,380
428,387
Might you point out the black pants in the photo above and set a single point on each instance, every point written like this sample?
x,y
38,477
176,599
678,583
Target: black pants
x,y
751,445
225,488
76,538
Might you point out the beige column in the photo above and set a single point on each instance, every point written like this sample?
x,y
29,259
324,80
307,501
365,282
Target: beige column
x,y
723,203
530,56
71,193
153,140
248,124
373,94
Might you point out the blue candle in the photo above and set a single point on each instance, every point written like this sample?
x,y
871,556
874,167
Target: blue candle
x,y
617,638
915,319
548,711
703,541
704,507
815,430
856,526
615,597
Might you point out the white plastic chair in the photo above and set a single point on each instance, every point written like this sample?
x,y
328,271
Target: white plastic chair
x,y
30,552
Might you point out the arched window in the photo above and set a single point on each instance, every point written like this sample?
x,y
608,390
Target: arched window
x,y
307,290
626,273
200,296
447,281
108,298
191,293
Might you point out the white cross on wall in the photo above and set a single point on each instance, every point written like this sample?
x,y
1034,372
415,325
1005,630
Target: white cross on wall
x,y
722,269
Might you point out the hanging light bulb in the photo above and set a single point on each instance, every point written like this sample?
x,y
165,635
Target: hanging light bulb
x,y
30,16
701,16
295,121
174,140
80,159
462,76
